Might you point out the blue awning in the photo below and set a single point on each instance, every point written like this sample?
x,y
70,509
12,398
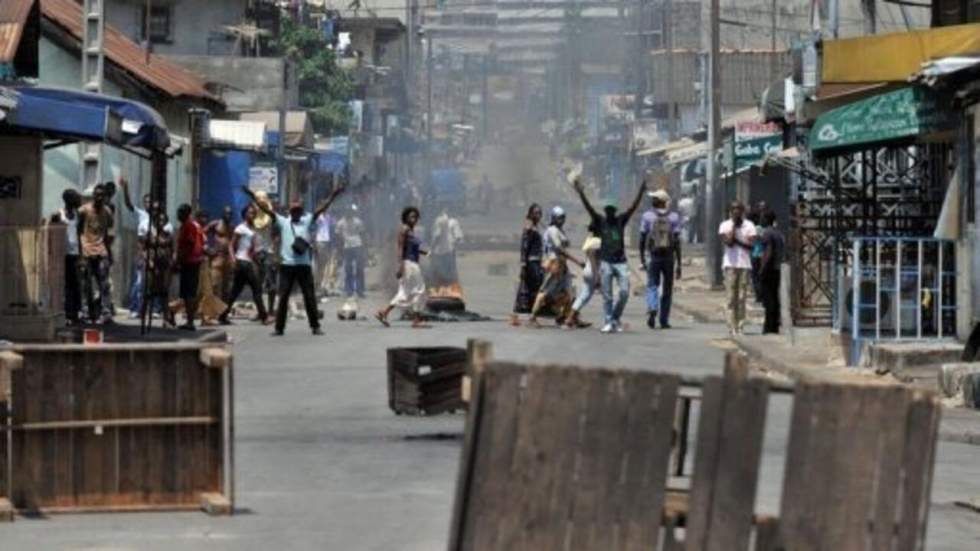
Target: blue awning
x,y
62,113
330,161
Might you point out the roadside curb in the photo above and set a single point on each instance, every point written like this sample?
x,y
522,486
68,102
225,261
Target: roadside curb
x,y
698,314
758,355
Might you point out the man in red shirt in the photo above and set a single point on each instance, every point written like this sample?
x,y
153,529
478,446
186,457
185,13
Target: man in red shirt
x,y
190,257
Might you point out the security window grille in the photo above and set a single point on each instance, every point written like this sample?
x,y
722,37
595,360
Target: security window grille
x,y
160,24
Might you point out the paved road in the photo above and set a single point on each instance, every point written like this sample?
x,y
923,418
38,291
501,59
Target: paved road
x,y
323,464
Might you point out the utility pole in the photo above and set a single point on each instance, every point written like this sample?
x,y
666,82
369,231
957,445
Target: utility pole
x,y
93,70
668,40
835,18
281,146
772,44
712,206
485,96
428,109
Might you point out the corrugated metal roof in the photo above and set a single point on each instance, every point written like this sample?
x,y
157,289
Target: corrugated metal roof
x,y
13,17
158,73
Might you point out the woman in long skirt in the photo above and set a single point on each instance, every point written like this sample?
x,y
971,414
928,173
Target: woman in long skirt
x,y
532,272
411,284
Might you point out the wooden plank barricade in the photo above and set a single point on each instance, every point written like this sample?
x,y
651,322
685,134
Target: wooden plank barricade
x,y
117,427
559,457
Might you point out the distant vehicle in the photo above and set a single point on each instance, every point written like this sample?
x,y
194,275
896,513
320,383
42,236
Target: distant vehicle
x,y
446,187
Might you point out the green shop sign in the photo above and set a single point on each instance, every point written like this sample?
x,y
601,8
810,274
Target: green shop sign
x,y
753,151
892,116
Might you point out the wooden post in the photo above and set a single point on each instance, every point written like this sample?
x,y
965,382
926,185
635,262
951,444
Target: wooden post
x,y
223,503
9,361
478,353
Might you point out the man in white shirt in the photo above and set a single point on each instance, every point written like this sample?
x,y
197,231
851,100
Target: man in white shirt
x,y
69,217
738,235
350,233
327,254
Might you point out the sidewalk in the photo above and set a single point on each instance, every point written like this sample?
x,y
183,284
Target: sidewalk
x,y
811,354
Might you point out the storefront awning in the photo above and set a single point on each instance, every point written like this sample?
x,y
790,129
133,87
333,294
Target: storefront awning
x,y
665,147
59,113
686,153
894,57
906,114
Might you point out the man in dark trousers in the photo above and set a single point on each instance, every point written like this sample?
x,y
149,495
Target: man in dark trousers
x,y
190,258
95,222
295,249
773,247
660,253
69,217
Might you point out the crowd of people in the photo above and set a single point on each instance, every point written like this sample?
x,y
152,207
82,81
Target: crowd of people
x,y
274,250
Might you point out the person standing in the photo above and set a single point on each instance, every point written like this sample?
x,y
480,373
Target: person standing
x,y
327,252
532,271
590,278
557,282
446,235
158,243
612,255
243,251
755,216
144,215
411,283
95,224
660,253
190,258
297,258
222,265
738,236
266,239
68,215
773,247
350,234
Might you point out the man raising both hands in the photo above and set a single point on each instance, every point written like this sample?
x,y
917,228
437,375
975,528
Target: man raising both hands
x,y
295,232
738,234
612,254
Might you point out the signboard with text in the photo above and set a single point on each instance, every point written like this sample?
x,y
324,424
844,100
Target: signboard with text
x,y
754,141
263,178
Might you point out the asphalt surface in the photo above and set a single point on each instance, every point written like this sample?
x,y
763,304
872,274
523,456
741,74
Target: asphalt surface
x,y
323,464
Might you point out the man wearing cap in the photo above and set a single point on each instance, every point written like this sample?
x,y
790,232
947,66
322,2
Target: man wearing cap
x,y
612,254
660,247
295,233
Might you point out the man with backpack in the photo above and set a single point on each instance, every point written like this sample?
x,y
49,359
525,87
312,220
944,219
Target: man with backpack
x,y
660,253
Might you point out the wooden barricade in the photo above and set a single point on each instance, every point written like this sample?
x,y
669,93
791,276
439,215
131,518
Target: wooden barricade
x,y
563,458
569,458
117,428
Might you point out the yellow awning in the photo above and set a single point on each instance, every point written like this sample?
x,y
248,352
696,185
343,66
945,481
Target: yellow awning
x,y
894,57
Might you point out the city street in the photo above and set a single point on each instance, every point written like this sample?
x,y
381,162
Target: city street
x,y
322,463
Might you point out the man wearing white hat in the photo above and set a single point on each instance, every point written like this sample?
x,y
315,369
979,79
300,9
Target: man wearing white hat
x,y
660,248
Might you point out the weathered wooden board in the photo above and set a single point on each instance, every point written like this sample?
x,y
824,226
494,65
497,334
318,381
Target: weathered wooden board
x,y
859,466
564,458
120,427
727,459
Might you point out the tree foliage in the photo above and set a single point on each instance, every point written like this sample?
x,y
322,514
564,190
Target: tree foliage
x,y
324,87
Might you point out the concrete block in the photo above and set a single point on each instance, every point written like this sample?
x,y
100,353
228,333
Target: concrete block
x,y
971,390
951,377
897,357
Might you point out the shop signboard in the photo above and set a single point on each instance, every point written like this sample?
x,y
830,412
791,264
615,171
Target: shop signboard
x,y
893,116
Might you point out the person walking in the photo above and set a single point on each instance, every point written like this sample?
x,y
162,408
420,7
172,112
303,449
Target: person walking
x,y
556,287
190,258
95,222
738,235
243,251
773,247
68,215
660,253
590,278
411,284
297,258
350,234
532,271
612,255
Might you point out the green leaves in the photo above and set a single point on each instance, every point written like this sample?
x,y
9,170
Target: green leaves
x,y
324,87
